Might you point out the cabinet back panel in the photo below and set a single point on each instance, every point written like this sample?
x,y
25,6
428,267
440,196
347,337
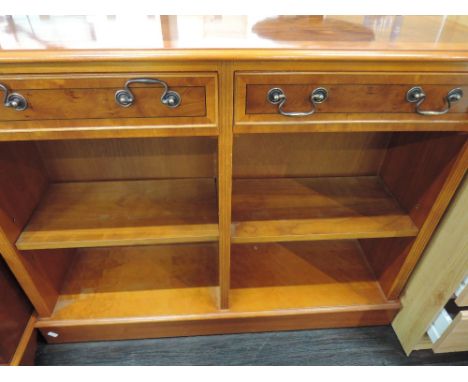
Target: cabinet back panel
x,y
309,155
125,159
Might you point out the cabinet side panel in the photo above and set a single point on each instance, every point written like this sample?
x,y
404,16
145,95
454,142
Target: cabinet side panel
x,y
386,257
416,167
52,264
422,171
15,311
22,184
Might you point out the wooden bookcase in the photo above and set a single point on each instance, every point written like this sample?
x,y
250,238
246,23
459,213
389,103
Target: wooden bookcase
x,y
221,216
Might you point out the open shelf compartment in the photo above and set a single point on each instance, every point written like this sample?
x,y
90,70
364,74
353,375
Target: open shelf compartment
x,y
143,281
301,275
111,192
382,190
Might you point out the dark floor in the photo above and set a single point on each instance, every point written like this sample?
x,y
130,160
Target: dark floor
x,y
355,346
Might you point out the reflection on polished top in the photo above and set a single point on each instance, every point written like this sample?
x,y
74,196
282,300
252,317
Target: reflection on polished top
x,y
68,37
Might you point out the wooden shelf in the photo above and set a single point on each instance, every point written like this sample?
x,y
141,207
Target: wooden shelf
x,y
142,281
295,209
299,275
119,213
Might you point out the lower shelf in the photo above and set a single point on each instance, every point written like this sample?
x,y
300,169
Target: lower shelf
x,y
170,290
300,275
166,280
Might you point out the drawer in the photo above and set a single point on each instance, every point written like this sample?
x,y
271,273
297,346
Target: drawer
x,y
455,336
462,294
349,97
95,97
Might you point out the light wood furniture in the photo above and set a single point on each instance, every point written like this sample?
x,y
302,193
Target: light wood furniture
x,y
462,297
125,214
17,333
445,264
455,338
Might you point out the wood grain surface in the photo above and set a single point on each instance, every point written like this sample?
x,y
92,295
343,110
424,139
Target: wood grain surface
x,y
316,209
85,199
308,155
128,159
423,301
210,37
83,106
455,338
15,311
101,214
355,100
301,275
75,97
462,299
139,282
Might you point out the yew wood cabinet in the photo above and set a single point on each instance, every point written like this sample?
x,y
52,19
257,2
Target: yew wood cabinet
x,y
17,333
182,189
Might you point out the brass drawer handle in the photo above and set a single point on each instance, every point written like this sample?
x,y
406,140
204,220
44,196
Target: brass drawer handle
x,y
417,95
125,97
14,100
276,96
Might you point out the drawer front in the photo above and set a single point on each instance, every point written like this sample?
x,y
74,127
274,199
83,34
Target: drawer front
x,y
356,96
462,294
455,338
93,97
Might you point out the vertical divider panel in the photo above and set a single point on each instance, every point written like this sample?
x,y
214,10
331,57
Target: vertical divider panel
x,y
225,141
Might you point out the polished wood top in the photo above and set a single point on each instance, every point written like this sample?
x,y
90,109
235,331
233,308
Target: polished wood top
x,y
65,38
